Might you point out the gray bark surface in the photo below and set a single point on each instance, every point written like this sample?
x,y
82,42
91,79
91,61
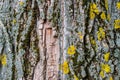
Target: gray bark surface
x,y
35,36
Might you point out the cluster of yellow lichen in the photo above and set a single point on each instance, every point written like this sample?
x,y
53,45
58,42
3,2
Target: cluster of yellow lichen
x,y
103,16
101,34
71,50
14,21
65,66
118,5
117,24
107,56
65,69
92,41
3,59
106,4
21,3
80,35
93,10
75,77
105,68
108,17
117,21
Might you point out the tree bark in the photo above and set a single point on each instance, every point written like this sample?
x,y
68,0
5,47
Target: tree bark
x,y
35,36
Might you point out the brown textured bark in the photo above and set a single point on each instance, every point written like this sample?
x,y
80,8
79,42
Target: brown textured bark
x,y
49,53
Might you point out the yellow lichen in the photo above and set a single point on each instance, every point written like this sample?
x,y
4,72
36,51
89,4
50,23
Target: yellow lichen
x,y
65,67
118,5
106,4
3,59
21,3
93,6
106,56
75,77
110,78
102,74
93,10
92,41
106,68
96,11
117,24
14,21
108,17
101,33
80,35
71,50
92,15
103,16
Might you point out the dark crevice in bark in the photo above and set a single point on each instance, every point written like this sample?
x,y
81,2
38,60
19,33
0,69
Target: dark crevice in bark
x,y
85,43
26,44
36,10
45,10
73,12
13,65
85,48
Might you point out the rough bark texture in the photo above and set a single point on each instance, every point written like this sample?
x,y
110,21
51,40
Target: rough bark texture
x,y
35,36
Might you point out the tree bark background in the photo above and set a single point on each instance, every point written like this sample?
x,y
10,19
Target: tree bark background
x,y
36,34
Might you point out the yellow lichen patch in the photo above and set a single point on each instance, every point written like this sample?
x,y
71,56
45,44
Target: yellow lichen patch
x,y
71,50
110,78
102,74
65,67
103,16
106,68
117,24
93,6
14,21
75,77
101,33
118,5
80,35
93,10
92,41
92,15
21,3
108,17
106,4
107,56
96,11
3,59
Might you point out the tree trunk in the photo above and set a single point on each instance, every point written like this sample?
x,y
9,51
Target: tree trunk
x,y
59,40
